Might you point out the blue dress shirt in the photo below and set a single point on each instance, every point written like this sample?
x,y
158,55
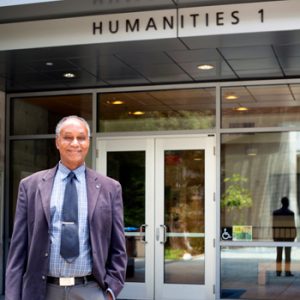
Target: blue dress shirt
x,y
82,266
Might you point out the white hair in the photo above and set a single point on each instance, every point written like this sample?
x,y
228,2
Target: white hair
x,y
63,120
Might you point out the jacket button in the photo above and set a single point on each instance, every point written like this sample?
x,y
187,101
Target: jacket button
x,y
44,277
46,254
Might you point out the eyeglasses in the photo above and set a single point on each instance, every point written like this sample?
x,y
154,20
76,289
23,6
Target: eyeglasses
x,y
70,139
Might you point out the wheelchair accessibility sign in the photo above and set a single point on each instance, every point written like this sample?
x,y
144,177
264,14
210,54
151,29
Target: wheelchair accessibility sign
x,y
226,234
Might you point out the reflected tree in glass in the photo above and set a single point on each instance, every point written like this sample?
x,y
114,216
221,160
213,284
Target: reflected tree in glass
x,y
184,216
236,197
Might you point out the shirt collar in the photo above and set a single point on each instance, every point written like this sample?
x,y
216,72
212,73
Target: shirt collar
x,y
65,171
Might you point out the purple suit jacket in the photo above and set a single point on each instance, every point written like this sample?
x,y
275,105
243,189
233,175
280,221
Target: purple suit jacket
x,y
28,259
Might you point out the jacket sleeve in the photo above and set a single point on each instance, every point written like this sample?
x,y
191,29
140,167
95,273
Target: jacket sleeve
x,y
17,256
117,259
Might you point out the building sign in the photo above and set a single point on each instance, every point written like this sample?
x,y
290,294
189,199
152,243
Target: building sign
x,y
241,18
242,233
134,26
89,30
147,25
226,234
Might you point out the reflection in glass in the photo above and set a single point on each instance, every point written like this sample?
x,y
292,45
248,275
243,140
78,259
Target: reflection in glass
x,y
129,169
250,273
258,169
184,217
261,106
2,149
157,110
284,230
28,157
39,115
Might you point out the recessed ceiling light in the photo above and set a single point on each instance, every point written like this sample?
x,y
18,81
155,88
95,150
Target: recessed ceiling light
x,y
251,151
205,67
241,108
137,113
117,102
49,64
231,97
69,75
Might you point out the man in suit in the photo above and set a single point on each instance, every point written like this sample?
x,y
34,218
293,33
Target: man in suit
x,y
38,267
284,230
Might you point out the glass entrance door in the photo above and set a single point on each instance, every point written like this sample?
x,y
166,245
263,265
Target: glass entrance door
x,y
131,162
184,217
168,186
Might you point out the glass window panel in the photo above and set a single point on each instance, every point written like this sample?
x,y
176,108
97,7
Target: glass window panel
x,y
250,273
2,149
261,106
157,110
2,130
40,115
258,170
184,217
129,169
28,157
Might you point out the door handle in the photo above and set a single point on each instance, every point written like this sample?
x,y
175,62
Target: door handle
x,y
143,230
164,227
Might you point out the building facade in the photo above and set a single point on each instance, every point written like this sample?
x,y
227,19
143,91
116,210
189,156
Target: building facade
x,y
194,107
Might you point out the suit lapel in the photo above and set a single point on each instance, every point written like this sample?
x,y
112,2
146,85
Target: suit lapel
x,y
93,190
45,190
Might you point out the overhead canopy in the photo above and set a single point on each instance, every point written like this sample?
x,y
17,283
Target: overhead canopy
x,y
235,55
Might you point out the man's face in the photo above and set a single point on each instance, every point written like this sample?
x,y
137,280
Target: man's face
x,y
73,143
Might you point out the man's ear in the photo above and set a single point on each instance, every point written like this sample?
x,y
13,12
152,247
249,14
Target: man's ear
x,y
56,144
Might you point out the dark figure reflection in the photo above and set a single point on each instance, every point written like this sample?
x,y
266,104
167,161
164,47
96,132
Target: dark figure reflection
x,y
284,230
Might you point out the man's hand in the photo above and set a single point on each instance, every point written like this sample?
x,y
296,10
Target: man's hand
x,y
109,296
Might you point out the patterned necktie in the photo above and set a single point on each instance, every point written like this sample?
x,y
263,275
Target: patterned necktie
x,y
69,248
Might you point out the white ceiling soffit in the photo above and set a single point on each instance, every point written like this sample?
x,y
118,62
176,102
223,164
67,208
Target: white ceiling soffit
x,y
4,3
